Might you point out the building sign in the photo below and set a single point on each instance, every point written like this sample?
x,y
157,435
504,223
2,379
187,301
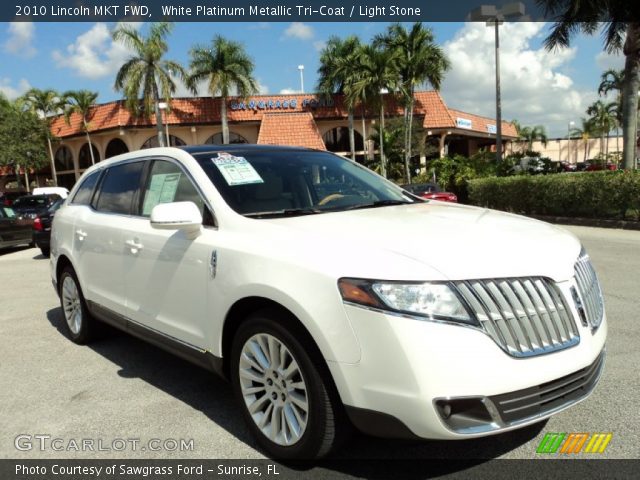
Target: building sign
x,y
491,128
463,123
280,104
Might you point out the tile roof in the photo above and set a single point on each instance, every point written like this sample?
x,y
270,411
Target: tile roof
x,y
292,129
206,110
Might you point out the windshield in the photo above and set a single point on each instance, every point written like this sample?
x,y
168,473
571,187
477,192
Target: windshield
x,y
32,201
293,182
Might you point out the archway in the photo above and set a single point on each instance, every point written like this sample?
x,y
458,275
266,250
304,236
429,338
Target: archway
x,y
115,147
153,142
337,140
84,158
216,139
63,159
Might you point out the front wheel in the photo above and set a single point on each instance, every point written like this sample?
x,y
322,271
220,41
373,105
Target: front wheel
x,y
285,396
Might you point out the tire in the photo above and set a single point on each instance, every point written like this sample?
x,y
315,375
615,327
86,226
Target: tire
x,y
81,327
283,427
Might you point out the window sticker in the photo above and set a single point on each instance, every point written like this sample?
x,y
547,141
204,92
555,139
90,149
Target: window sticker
x,y
236,170
162,189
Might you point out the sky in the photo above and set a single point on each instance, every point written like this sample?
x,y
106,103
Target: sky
x,y
538,87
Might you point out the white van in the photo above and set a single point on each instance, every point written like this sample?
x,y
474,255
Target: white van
x,y
63,192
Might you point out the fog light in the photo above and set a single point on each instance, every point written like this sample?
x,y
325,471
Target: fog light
x,y
446,411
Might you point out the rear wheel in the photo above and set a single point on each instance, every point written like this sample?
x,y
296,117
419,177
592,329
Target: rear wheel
x,y
286,397
80,325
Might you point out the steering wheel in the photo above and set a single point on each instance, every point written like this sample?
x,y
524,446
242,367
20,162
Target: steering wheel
x,y
330,198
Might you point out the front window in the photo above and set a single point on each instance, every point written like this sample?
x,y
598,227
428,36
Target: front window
x,y
288,182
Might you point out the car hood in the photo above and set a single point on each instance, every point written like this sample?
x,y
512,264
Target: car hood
x,y
431,241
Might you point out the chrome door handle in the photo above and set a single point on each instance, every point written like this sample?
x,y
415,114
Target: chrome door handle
x,y
134,245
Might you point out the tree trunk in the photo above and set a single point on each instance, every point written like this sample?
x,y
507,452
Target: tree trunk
x,y
364,129
407,149
383,163
630,88
86,130
156,97
225,121
53,162
352,138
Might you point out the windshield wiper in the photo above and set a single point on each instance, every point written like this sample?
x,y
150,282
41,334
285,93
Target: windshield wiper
x,y
289,212
379,203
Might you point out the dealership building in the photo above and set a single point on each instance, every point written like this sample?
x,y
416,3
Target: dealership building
x,y
304,120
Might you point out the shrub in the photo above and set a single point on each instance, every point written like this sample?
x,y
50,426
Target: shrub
x,y
606,194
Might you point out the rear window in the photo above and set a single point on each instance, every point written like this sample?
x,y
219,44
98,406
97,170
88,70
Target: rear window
x,y
117,190
32,201
84,193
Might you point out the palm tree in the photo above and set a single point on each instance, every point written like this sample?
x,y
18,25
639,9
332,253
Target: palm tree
x,y
603,117
619,33
420,61
613,80
80,102
585,132
528,135
335,73
375,73
225,66
45,103
145,72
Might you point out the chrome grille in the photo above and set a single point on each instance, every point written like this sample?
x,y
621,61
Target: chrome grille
x,y
591,306
524,316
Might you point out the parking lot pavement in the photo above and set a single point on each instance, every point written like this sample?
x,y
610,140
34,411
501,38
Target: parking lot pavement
x,y
120,388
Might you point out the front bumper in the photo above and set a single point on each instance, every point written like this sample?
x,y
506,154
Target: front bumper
x,y
411,368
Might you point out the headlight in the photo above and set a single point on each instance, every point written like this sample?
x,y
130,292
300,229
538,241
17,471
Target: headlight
x,y
433,301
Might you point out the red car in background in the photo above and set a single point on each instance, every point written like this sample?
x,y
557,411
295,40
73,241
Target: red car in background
x,y
430,191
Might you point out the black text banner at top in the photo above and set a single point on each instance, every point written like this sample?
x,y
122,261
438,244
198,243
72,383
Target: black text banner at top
x,y
260,10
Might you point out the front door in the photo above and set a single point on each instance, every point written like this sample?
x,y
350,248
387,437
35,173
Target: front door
x,y
167,275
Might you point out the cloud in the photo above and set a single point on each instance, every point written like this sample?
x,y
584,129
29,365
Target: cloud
x,y
300,31
608,61
94,54
289,91
319,45
20,37
534,89
203,89
12,92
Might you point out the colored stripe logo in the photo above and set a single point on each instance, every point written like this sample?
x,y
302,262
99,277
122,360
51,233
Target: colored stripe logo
x,y
573,443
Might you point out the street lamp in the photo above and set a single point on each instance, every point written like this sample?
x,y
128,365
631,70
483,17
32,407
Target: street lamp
x,y
301,68
571,124
494,17
164,106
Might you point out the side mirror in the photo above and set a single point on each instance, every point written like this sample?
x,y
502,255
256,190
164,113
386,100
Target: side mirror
x,y
183,216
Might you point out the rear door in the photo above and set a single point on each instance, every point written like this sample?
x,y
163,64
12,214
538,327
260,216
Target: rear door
x,y
99,248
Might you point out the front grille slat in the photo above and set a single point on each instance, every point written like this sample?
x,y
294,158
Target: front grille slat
x,y
589,290
517,406
524,316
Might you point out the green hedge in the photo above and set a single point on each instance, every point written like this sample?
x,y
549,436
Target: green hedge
x,y
607,195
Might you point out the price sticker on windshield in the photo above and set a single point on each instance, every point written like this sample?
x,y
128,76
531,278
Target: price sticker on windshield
x,y
236,170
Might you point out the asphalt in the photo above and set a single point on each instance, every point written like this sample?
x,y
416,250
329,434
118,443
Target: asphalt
x,y
123,388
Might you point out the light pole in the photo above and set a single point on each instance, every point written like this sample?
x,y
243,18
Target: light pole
x,y
494,17
301,68
571,124
164,106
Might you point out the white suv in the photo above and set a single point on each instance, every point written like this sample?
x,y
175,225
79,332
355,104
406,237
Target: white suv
x,y
329,296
